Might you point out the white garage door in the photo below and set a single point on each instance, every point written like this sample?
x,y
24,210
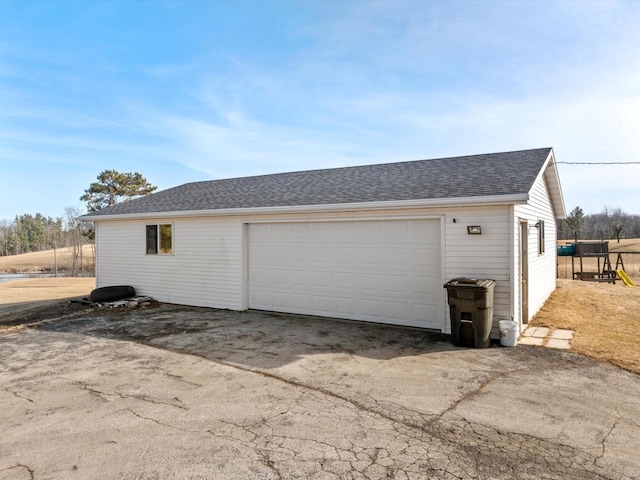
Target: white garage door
x,y
379,271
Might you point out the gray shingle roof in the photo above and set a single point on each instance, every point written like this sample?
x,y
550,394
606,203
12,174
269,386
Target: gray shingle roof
x,y
508,173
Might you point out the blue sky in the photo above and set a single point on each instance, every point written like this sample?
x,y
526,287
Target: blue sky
x,y
186,91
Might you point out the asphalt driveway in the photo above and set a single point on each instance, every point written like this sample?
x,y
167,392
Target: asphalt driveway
x,y
177,392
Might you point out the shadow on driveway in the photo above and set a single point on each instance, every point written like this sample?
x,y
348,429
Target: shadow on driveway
x,y
253,338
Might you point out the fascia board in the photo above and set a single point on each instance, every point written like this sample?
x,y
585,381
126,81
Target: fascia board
x,y
392,205
549,171
562,212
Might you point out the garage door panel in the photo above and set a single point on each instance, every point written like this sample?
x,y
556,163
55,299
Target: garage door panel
x,y
300,253
382,271
369,281
319,233
372,308
397,256
346,306
322,279
345,280
425,310
369,232
323,304
259,254
299,302
298,235
344,232
300,278
398,311
396,235
370,255
260,299
422,283
345,255
261,277
422,257
424,231
398,284
280,278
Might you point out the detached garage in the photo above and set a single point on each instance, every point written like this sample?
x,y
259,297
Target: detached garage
x,y
372,243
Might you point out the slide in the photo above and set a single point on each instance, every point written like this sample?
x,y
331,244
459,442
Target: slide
x,y
625,278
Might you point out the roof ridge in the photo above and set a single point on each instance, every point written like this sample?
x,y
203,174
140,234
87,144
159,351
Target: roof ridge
x,y
403,162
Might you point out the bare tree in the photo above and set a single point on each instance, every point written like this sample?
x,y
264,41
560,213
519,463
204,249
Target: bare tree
x,y
53,232
619,222
74,229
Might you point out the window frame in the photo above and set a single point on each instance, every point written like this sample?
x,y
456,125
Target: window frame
x,y
541,237
155,247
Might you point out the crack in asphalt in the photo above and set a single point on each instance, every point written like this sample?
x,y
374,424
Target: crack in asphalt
x,y
162,423
478,447
16,394
99,393
181,379
471,393
21,465
605,438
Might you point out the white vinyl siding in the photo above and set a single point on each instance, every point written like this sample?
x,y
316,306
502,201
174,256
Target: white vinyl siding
x,y
542,267
487,255
204,270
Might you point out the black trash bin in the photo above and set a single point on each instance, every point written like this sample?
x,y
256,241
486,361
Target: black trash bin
x,y
471,309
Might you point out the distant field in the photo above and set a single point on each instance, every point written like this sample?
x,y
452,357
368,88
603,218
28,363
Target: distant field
x,y
626,245
44,261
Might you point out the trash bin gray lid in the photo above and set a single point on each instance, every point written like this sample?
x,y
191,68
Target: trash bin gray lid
x,y
471,283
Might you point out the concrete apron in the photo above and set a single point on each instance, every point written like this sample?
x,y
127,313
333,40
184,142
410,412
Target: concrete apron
x,y
197,393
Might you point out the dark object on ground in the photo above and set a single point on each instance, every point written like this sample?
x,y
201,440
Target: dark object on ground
x,y
111,294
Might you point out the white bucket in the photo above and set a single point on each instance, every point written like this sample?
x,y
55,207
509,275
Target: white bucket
x,y
509,331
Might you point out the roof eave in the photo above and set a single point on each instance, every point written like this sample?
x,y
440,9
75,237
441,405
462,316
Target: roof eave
x,y
550,172
389,205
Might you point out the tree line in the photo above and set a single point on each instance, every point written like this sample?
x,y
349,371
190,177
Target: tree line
x,y
609,224
33,233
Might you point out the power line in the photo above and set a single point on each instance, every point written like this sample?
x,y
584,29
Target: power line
x,y
600,163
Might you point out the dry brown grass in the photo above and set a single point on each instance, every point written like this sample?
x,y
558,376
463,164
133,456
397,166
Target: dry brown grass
x,y
22,296
604,316
44,289
44,261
